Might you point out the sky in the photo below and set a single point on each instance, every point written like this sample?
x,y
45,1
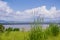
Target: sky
x,y
27,10
29,4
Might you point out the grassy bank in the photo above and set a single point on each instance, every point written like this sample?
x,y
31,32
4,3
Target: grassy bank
x,y
36,33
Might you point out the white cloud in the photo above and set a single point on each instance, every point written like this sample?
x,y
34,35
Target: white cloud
x,y
6,13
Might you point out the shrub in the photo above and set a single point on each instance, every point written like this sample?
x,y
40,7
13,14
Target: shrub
x,y
9,29
16,29
2,28
54,28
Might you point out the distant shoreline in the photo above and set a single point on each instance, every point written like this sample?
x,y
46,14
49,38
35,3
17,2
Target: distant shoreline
x,y
25,23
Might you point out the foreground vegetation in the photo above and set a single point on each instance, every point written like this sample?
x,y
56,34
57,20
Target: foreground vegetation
x,y
35,33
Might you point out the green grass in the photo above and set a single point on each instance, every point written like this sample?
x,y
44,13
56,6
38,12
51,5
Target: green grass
x,y
36,33
15,36
23,36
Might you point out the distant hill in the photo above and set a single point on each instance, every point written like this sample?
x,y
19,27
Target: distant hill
x,y
19,22
3,21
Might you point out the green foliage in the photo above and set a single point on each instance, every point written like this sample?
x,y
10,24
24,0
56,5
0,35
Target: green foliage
x,y
9,29
54,28
2,28
36,33
16,29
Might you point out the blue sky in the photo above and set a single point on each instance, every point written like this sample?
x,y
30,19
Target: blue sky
x,y
27,10
28,4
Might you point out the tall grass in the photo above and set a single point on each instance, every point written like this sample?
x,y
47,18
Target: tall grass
x,y
36,33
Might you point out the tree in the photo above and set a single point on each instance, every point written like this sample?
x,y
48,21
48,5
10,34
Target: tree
x,y
16,29
2,28
9,29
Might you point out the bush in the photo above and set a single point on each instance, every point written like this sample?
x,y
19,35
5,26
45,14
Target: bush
x,y
2,28
54,28
16,29
9,29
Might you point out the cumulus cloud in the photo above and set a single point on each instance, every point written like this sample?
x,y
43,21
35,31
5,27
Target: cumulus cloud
x,y
8,14
5,10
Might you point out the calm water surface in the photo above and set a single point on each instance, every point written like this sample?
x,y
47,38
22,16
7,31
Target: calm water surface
x,y
25,26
